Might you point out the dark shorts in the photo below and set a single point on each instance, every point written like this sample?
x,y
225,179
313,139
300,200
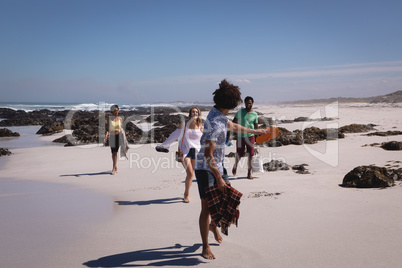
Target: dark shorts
x,y
191,154
114,143
206,179
243,143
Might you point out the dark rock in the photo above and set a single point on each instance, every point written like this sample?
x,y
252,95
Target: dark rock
x,y
147,110
307,136
301,119
58,115
4,132
383,134
231,155
81,118
68,140
203,108
392,145
275,165
327,119
356,128
10,113
368,177
286,121
313,134
301,169
27,121
372,145
165,119
158,135
130,126
129,115
4,151
265,122
87,134
22,118
285,137
133,133
52,127
63,139
395,174
333,134
85,126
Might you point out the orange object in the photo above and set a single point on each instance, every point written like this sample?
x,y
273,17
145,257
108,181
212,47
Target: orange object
x,y
272,134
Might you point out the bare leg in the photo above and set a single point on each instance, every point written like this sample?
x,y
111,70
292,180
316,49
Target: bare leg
x,y
250,162
234,169
188,165
204,230
114,158
214,230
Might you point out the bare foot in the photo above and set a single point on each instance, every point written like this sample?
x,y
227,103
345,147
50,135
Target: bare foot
x,y
214,230
186,199
234,170
207,254
249,176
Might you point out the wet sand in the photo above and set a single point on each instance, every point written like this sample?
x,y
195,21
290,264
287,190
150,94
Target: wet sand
x,y
39,220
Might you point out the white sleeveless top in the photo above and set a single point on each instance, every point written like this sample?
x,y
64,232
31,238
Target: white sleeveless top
x,y
192,139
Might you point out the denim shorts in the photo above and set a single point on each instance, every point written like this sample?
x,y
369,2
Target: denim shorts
x,y
191,154
205,179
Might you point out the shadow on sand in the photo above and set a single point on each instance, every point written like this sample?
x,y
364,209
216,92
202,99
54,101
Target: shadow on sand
x,y
87,174
176,255
151,202
241,178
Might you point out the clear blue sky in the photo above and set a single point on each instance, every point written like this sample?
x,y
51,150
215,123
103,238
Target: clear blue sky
x,y
141,51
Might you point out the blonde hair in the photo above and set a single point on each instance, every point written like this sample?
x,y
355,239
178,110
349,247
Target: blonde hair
x,y
198,120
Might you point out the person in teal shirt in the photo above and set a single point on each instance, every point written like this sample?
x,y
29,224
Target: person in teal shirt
x,y
249,119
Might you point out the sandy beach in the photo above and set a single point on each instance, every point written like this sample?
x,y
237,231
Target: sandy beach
x,y
61,207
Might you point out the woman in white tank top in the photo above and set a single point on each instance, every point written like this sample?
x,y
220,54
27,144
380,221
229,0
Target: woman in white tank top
x,y
191,145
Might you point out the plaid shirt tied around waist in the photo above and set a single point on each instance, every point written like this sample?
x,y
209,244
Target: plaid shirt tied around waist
x,y
223,206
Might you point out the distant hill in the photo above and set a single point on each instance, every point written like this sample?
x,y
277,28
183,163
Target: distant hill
x,y
394,97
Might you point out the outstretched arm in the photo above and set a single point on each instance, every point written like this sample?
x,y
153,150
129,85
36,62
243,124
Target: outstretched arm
x,y
240,129
174,136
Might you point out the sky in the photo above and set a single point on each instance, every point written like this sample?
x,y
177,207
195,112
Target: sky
x,y
147,51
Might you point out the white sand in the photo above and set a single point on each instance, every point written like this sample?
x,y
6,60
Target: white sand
x,y
312,222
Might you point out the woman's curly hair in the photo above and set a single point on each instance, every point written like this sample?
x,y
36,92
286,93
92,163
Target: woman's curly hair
x,y
227,96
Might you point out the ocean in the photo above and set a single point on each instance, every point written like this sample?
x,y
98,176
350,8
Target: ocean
x,y
103,106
